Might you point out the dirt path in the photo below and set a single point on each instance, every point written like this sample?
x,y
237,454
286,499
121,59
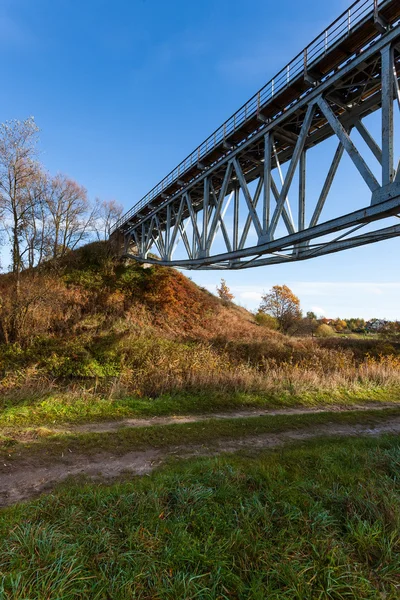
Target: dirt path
x,y
109,426
20,483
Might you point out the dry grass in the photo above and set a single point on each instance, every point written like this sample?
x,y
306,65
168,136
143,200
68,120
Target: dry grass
x,y
151,366
93,325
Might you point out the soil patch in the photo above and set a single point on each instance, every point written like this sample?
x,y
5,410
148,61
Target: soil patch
x,y
22,482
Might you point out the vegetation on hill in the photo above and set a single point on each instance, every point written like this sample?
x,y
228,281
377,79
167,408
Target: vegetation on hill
x,y
91,326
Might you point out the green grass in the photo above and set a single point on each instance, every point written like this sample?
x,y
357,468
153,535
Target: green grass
x,y
48,445
57,409
314,521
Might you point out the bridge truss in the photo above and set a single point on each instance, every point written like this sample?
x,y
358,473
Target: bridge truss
x,y
247,196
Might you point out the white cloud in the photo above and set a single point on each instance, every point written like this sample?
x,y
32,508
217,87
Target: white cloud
x,y
326,288
319,311
250,295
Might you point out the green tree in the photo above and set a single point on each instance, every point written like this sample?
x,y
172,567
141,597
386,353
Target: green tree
x,y
282,304
324,331
310,323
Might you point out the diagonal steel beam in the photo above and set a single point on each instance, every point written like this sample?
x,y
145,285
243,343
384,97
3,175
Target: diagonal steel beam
x,y
221,224
327,185
148,239
291,169
249,220
218,206
178,218
185,241
287,201
369,140
350,148
160,239
247,197
193,219
286,219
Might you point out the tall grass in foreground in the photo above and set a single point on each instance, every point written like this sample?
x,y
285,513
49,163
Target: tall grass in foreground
x,y
127,376
321,520
152,366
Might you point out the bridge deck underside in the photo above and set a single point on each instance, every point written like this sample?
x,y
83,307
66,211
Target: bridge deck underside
x,y
331,100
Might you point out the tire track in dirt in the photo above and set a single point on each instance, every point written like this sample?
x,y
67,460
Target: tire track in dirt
x,y
19,483
110,426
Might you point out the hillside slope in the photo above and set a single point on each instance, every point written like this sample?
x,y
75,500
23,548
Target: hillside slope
x,y
91,290
96,326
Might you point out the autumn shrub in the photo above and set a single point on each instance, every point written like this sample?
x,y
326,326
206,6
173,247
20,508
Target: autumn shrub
x,y
266,321
324,331
44,305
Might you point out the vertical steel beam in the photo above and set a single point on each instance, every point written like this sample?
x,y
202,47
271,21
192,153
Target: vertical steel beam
x,y
206,203
302,191
396,84
236,200
168,232
268,141
127,240
142,240
387,114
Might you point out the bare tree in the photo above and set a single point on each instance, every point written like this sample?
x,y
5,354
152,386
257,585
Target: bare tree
x,y
36,231
107,213
70,214
17,169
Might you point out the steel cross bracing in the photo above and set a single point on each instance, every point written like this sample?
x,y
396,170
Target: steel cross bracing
x,y
257,203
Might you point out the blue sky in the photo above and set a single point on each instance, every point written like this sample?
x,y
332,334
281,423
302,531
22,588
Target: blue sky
x,y
122,91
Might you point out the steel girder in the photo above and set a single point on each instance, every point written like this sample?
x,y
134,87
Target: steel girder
x,y
238,214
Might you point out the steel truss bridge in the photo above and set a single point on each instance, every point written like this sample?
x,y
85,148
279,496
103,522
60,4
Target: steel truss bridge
x,y
228,201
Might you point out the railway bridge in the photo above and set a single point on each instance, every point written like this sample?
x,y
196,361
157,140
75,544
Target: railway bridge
x,y
246,196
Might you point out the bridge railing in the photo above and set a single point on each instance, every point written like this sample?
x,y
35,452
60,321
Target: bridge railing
x,y
336,32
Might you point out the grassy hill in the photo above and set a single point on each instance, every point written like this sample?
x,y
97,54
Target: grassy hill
x,y
93,336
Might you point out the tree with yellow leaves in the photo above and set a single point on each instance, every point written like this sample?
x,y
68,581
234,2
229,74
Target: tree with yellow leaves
x,y
282,304
224,292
